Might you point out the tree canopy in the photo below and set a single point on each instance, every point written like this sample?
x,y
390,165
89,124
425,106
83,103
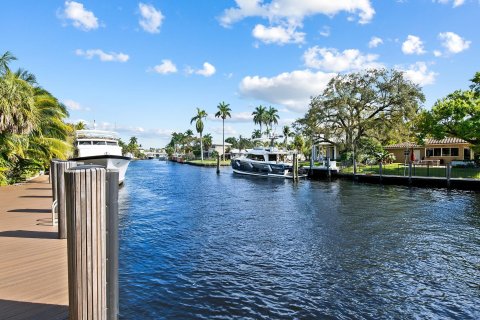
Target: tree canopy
x,y
456,115
355,106
32,124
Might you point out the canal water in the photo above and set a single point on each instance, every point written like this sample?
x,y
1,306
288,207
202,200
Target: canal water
x,y
194,245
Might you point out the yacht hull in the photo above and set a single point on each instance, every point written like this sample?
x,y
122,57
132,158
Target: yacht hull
x,y
264,169
109,162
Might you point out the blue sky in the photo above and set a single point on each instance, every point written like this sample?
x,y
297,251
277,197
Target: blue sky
x,y
142,68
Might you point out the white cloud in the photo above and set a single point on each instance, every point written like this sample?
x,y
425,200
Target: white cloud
x,y
325,32
456,3
418,73
139,132
437,53
413,45
294,11
236,117
330,59
72,105
279,35
167,66
103,56
453,42
290,89
375,42
80,17
207,71
151,19
229,130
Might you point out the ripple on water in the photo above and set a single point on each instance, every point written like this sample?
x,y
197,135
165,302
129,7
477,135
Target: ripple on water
x,y
197,245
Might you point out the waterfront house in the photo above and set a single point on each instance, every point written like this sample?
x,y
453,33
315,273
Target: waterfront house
x,y
433,151
218,147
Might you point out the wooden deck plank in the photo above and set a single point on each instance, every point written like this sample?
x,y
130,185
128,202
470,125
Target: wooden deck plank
x,y
33,267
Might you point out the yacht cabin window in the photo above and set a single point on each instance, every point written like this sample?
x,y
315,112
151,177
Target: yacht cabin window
x,y
272,157
99,143
256,157
84,143
111,143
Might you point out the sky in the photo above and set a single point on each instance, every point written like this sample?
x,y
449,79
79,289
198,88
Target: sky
x,y
142,68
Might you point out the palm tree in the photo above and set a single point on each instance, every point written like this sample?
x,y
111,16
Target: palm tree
x,y
80,125
256,134
207,141
199,126
5,60
271,117
223,112
188,140
259,116
286,133
18,114
49,139
26,76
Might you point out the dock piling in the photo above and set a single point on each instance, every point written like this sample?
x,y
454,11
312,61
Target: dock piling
x,y
218,164
112,244
86,241
60,168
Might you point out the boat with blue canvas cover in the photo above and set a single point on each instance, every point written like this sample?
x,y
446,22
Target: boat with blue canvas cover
x,y
268,162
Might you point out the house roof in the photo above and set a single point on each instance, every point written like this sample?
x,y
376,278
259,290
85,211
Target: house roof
x,y
445,141
428,142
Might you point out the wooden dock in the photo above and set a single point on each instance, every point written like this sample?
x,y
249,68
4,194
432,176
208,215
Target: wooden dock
x,y
33,261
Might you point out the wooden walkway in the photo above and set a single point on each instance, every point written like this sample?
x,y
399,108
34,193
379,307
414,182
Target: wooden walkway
x,y
33,262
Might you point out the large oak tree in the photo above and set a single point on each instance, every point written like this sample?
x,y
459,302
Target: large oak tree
x,y
376,104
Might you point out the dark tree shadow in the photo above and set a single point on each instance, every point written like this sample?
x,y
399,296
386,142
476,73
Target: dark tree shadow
x,y
34,188
29,234
32,210
16,310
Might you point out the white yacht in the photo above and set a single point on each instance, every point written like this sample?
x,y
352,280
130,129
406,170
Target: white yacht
x,y
101,148
270,162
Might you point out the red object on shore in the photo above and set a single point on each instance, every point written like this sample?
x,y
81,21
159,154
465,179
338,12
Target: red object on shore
x,y
412,155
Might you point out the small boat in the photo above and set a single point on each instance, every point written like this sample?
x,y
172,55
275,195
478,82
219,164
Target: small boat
x,y
101,148
269,162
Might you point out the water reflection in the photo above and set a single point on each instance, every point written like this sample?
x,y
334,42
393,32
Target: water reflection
x,y
198,245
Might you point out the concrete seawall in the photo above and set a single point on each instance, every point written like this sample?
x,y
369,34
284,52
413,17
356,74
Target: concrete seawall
x,y
423,182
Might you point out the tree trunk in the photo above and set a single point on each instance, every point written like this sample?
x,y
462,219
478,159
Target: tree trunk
x,y
201,146
223,138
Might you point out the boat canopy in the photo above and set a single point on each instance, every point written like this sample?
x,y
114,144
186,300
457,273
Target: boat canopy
x,y
96,134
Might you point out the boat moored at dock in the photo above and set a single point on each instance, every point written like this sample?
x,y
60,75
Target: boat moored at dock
x,y
269,162
100,147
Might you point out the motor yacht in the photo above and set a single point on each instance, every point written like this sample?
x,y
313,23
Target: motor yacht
x,y
101,148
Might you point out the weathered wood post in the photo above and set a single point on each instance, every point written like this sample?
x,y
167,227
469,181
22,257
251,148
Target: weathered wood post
x,y
218,164
53,180
112,244
409,173
60,168
312,158
86,242
293,168
329,172
448,173
380,170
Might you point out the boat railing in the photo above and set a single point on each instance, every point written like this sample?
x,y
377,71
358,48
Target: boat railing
x,y
96,134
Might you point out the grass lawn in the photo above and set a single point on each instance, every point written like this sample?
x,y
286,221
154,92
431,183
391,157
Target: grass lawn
x,y
208,162
420,171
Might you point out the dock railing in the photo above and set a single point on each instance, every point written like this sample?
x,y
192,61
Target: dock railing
x,y
417,170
